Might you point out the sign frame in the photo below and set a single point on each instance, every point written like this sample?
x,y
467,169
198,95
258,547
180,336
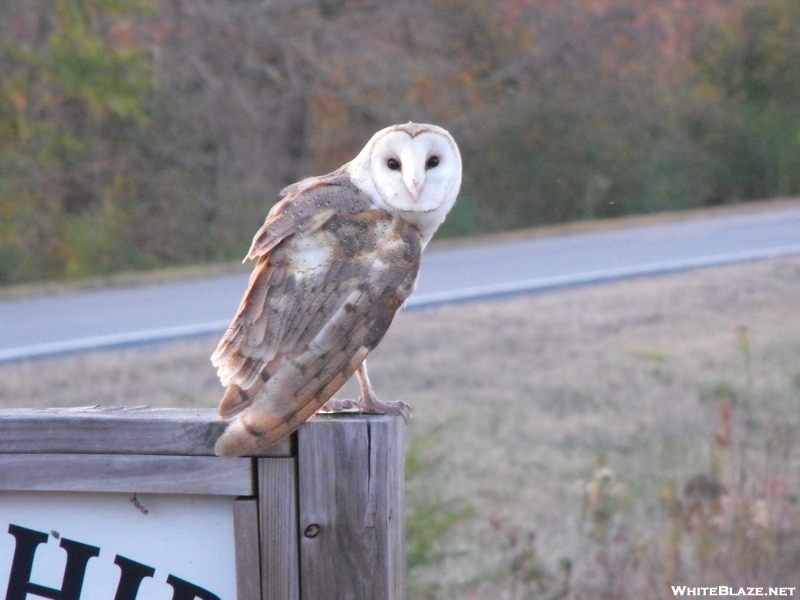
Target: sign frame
x,y
337,482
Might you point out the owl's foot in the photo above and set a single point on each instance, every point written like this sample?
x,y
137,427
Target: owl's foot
x,y
339,405
370,403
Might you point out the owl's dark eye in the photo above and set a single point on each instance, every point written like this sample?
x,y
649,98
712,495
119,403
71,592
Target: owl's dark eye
x,y
432,162
393,164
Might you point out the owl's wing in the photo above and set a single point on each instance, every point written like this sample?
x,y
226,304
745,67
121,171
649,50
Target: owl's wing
x,y
332,271
301,207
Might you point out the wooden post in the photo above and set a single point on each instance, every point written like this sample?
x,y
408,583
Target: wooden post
x,y
246,531
316,517
280,564
351,508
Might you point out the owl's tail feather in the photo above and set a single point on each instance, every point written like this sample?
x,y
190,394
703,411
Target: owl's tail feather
x,y
272,415
258,429
234,401
254,432
238,396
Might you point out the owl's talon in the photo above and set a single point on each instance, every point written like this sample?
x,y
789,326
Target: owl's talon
x,y
335,405
371,404
369,401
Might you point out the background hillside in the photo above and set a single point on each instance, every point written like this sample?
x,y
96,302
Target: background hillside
x,y
144,133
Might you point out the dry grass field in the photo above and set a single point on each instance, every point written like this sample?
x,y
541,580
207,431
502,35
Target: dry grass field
x,y
593,442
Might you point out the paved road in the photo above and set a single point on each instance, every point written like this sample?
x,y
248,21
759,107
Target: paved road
x,y
94,319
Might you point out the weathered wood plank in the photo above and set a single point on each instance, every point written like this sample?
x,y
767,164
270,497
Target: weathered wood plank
x,y
115,430
277,492
350,472
245,533
118,473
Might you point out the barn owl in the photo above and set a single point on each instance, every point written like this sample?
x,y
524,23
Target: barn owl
x,y
335,260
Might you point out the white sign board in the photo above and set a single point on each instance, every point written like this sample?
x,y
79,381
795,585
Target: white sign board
x,y
108,546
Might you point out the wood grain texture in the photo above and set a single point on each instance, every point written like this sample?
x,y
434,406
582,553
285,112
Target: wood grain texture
x,y
350,473
115,430
248,564
116,473
277,492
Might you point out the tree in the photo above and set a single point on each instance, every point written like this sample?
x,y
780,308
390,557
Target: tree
x,y
744,107
71,99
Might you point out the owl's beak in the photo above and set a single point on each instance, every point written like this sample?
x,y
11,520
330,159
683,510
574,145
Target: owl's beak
x,y
413,183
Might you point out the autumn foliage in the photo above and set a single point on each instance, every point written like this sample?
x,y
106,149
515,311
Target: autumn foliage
x,y
141,133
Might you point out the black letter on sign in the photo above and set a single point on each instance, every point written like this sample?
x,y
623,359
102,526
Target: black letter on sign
x,y
130,578
188,591
19,582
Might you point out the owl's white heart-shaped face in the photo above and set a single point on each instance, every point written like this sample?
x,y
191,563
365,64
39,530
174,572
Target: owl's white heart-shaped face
x,y
413,170
415,173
